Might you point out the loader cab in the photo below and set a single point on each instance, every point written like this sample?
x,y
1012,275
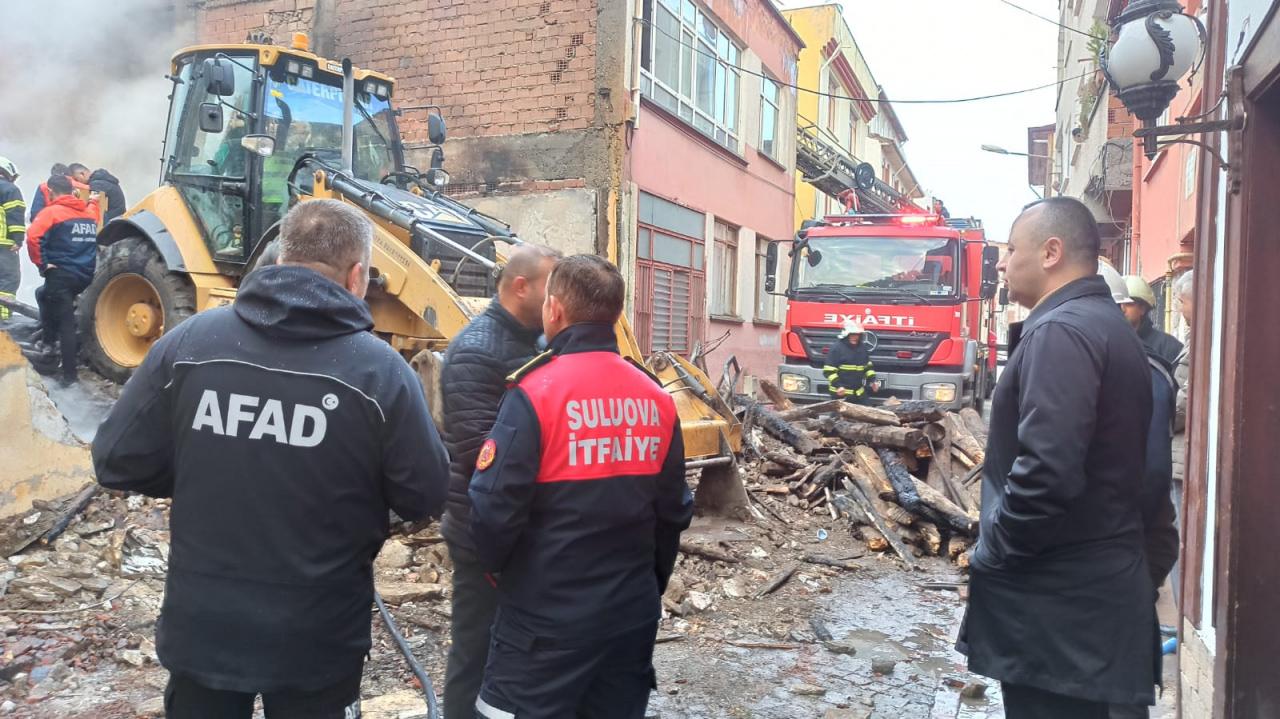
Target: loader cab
x,y
241,117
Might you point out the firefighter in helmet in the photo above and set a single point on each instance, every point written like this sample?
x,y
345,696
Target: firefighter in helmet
x,y
849,371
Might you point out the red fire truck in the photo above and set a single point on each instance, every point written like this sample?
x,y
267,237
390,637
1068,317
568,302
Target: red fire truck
x,y
922,284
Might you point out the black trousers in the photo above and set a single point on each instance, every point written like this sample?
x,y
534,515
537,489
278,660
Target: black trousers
x,y
57,301
184,698
1129,711
532,678
1023,702
475,602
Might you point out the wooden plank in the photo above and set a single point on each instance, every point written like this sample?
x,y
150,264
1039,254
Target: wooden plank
x,y
867,459
780,401
852,412
963,439
864,502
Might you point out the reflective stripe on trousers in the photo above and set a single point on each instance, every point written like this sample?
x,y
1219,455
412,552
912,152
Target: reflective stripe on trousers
x,y
488,711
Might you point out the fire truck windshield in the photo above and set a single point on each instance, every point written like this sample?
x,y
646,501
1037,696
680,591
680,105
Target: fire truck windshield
x,y
925,266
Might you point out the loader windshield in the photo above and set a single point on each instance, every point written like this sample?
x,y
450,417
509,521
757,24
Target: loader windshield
x,y
306,116
924,266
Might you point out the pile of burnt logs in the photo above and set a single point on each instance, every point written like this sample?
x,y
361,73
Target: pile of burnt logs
x,y
906,475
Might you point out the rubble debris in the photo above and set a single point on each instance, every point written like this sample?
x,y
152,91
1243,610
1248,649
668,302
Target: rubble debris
x,y
706,552
883,666
776,581
841,646
394,555
397,593
887,470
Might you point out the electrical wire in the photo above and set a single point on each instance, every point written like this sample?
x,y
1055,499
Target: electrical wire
x,y
876,100
1051,21
428,691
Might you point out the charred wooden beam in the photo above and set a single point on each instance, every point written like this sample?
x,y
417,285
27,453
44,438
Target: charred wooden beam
x,y
860,433
783,430
916,410
887,534
786,459
903,483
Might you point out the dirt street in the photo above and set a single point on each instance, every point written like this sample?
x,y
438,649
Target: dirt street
x,y
847,633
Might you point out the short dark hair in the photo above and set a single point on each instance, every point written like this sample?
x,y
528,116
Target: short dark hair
x,y
591,289
325,232
75,167
59,169
1071,221
59,184
525,260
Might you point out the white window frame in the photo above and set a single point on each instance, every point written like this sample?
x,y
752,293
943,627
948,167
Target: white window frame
x,y
700,29
776,104
724,260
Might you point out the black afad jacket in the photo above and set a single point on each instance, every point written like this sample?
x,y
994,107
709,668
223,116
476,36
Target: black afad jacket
x,y
579,495
284,431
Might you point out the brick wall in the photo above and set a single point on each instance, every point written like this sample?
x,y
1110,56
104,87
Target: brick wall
x,y
1195,663
495,67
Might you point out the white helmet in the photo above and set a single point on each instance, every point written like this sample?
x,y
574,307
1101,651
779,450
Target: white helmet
x,y
8,168
1115,282
851,327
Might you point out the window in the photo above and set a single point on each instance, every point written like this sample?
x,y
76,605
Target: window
x,y
690,67
851,266
724,257
670,276
766,304
770,107
209,168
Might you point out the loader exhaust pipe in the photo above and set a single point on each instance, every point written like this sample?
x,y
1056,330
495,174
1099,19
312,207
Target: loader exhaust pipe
x,y
348,123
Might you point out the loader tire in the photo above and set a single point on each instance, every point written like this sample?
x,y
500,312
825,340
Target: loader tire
x,y
133,300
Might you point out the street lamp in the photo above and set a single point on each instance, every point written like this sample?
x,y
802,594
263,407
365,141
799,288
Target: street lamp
x,y
1156,45
1001,151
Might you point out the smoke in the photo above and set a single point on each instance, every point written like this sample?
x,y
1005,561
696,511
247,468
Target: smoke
x,y
83,81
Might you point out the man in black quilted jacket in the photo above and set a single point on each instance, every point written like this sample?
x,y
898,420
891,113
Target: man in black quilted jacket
x,y
473,379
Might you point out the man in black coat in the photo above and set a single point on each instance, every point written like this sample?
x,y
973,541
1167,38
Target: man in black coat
x,y
284,431
107,184
1060,603
472,381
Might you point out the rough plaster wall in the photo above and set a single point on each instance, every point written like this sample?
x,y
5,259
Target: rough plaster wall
x,y
563,219
41,458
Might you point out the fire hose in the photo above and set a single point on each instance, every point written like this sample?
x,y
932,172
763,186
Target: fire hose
x,y
433,710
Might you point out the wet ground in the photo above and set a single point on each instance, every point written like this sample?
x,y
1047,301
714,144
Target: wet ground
x,y
890,655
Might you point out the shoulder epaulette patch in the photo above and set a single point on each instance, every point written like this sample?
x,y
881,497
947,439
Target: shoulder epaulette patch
x,y
531,365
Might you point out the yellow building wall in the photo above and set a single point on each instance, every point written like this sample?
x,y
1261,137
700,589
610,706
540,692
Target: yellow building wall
x,y
816,26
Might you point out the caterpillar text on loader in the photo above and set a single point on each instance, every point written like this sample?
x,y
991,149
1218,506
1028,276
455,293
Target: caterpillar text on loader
x,y
255,127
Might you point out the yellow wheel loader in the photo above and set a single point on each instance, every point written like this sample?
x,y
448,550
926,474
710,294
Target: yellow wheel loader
x,y
256,127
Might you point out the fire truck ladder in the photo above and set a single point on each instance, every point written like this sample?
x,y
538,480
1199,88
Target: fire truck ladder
x,y
832,170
